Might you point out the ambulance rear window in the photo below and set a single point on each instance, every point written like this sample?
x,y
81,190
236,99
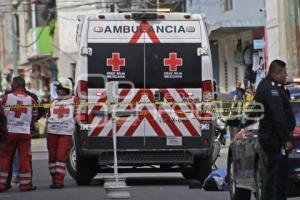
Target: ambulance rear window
x,y
116,62
167,65
174,65
151,54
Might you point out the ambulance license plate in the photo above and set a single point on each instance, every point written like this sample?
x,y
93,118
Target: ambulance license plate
x,y
174,141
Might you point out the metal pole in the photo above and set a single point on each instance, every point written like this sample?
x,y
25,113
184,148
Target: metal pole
x,y
157,4
113,114
3,44
14,44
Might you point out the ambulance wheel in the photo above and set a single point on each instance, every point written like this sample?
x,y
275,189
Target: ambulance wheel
x,y
86,169
71,165
199,170
204,167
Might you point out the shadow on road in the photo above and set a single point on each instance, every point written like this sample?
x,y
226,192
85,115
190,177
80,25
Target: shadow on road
x,y
136,181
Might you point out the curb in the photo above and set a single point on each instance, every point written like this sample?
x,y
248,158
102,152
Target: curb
x,y
39,145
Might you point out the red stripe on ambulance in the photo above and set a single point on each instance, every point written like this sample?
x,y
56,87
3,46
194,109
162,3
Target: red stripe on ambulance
x,y
186,123
144,28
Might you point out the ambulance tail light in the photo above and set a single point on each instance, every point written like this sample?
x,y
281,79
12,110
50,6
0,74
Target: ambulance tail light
x,y
82,95
83,116
207,90
207,96
81,90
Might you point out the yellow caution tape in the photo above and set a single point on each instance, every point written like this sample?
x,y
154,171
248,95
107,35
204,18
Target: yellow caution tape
x,y
214,106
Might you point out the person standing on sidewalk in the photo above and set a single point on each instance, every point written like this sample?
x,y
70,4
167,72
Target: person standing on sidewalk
x,y
275,131
21,113
60,127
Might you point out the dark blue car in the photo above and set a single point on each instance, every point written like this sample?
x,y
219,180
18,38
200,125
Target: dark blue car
x,y
244,166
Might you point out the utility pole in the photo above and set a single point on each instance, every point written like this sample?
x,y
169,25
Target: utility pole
x,y
14,40
2,56
3,44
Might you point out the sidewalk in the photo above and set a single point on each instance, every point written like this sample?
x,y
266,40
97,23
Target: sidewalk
x,y
39,145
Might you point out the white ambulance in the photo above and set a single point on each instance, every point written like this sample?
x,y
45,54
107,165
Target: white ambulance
x,y
162,62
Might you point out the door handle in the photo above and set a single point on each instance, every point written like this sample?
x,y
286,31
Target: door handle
x,y
158,96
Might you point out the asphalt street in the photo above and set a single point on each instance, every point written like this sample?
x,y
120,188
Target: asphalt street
x,y
142,186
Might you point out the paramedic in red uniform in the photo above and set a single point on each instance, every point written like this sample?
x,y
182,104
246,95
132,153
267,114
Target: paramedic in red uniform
x,y
60,127
19,122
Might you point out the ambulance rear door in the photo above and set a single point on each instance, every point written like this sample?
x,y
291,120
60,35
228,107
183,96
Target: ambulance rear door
x,y
114,58
174,76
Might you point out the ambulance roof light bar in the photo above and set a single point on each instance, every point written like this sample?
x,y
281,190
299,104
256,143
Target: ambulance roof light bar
x,y
144,16
159,10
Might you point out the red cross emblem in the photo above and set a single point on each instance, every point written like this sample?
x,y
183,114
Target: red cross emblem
x,y
18,109
61,111
144,28
172,62
115,61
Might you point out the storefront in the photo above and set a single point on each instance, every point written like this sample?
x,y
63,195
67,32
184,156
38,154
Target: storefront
x,y
292,35
241,56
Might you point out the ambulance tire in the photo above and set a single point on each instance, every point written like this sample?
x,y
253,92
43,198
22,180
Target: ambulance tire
x,y
86,169
204,168
71,164
199,170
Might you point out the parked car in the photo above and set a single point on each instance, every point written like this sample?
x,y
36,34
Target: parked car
x,y
244,166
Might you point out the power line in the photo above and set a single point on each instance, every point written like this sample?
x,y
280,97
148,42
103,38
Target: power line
x,y
65,53
166,2
58,8
33,42
66,18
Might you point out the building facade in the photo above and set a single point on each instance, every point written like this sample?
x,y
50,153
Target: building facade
x,y
283,33
65,47
235,25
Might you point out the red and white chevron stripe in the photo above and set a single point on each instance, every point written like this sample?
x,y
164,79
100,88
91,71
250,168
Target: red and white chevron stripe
x,y
167,119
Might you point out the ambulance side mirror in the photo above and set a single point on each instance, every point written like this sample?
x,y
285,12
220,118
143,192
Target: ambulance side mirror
x,y
202,51
86,51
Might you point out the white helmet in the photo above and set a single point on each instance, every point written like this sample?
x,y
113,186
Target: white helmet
x,y
65,83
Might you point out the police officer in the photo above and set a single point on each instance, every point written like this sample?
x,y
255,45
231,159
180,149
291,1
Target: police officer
x,y
20,114
60,127
275,131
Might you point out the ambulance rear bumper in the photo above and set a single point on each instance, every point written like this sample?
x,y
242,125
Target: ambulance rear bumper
x,y
142,157
147,157
147,150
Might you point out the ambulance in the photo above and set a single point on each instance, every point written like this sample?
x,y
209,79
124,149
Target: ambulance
x,y
162,64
